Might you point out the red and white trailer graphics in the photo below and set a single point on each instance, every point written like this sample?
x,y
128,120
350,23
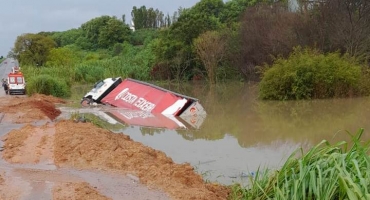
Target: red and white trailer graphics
x,y
139,103
137,95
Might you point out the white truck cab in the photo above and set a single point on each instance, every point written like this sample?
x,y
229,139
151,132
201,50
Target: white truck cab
x,y
100,90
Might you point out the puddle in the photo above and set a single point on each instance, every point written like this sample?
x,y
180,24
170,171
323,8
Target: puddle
x,y
38,180
39,190
6,128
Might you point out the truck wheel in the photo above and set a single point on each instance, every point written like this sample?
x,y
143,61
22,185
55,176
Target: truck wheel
x,y
86,102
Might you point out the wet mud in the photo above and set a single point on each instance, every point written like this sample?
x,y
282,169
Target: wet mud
x,y
47,159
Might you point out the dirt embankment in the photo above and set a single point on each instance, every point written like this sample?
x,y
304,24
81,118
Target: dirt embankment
x,y
84,146
29,109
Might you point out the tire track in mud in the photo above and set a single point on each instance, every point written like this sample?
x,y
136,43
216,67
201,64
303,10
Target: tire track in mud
x,y
1,117
98,158
30,165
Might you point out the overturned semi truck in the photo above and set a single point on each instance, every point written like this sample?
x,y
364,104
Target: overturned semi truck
x,y
146,104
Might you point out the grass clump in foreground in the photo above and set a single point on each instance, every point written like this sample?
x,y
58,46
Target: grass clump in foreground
x,y
324,172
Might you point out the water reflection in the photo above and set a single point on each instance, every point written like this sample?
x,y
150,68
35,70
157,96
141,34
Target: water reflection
x,y
241,133
221,160
235,109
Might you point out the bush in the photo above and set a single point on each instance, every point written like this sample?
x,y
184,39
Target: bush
x,y
365,82
89,73
308,74
48,85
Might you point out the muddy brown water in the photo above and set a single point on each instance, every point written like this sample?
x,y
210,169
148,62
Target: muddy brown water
x,y
242,133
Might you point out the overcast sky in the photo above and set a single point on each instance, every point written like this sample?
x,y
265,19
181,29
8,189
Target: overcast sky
x,y
33,16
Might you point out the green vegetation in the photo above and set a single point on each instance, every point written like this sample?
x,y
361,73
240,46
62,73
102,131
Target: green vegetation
x,y
46,84
324,172
309,74
89,117
215,41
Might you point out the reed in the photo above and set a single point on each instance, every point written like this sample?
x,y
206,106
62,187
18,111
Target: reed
x,y
324,172
49,85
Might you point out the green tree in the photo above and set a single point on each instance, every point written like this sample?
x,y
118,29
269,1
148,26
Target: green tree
x,y
103,32
208,8
62,56
84,43
92,28
233,10
147,18
174,47
115,31
33,49
139,17
68,37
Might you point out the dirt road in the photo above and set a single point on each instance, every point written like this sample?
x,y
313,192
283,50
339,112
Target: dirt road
x,y
47,159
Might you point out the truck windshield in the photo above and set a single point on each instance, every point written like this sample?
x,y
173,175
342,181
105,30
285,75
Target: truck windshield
x,y
99,84
15,80
11,80
19,80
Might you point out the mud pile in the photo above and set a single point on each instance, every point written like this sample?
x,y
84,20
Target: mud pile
x,y
30,109
84,146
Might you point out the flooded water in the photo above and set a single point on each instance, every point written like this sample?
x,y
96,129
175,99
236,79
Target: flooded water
x,y
241,133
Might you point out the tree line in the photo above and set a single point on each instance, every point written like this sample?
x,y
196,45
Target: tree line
x,y
213,40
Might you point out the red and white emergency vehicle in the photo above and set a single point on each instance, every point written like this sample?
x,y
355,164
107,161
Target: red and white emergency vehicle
x,y
16,81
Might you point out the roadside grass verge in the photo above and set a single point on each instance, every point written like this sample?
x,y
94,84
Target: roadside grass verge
x,y
325,172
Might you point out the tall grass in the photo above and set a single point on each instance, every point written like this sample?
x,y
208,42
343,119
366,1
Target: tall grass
x,y
324,172
66,73
135,62
49,85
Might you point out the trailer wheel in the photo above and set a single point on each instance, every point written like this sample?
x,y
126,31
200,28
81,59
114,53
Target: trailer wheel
x,y
86,102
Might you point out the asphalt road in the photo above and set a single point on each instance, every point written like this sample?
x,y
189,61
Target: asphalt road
x,y
5,69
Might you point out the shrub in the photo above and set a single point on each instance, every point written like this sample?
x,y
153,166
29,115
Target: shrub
x,y
365,82
308,74
48,85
